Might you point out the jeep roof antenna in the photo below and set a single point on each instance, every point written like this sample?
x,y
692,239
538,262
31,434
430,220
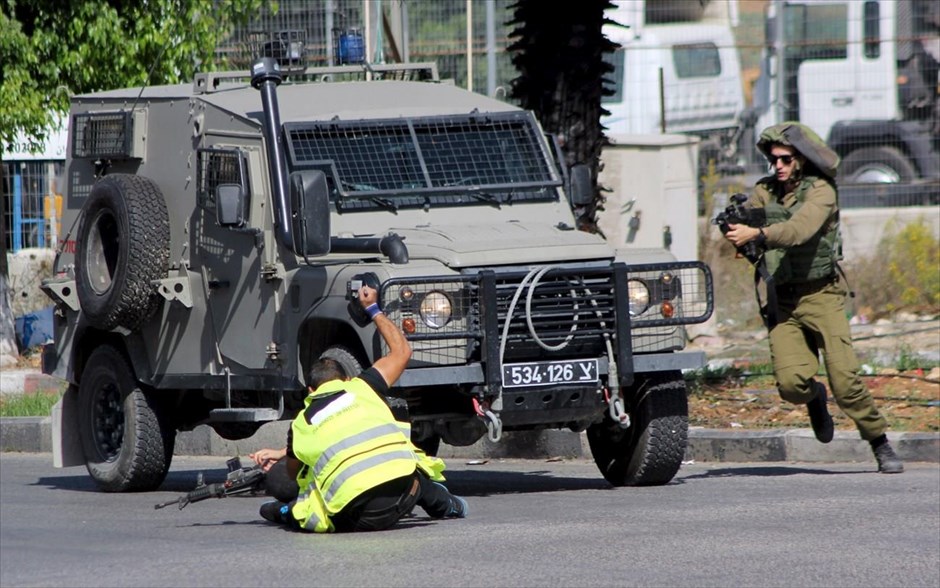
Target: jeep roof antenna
x,y
266,77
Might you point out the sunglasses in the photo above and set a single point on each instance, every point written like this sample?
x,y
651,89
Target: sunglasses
x,y
786,159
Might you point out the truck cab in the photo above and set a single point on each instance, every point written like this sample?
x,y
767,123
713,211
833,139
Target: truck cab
x,y
864,76
676,71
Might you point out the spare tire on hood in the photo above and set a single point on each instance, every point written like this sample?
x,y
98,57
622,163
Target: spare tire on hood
x,y
123,246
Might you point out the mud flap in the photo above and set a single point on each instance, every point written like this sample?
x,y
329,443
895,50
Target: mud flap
x,y
66,443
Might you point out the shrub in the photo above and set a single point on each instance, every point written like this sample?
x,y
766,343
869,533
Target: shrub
x,y
905,275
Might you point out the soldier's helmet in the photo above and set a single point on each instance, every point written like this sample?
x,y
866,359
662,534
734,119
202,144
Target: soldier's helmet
x,y
805,141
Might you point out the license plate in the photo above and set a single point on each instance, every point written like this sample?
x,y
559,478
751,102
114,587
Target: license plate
x,y
549,373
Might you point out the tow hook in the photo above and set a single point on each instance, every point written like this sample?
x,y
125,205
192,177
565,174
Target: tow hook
x,y
494,426
617,413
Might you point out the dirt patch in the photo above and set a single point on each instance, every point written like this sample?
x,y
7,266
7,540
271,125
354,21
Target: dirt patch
x,y
898,359
909,402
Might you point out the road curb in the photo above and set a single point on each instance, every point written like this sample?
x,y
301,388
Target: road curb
x,y
34,435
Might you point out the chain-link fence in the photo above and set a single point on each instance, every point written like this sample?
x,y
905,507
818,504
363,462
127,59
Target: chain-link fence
x,y
388,31
862,73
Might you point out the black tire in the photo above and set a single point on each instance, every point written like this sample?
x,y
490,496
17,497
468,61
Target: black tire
x,y
353,368
346,358
123,245
650,452
236,431
878,165
127,445
429,445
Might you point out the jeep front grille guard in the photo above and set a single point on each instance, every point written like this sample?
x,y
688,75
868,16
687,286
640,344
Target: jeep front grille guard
x,y
572,306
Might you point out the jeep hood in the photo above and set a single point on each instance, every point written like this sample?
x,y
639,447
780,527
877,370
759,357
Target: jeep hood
x,y
510,243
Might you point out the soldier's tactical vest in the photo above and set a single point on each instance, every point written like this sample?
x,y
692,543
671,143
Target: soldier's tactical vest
x,y
814,260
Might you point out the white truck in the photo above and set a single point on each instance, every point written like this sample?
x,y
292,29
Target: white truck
x,y
863,74
677,72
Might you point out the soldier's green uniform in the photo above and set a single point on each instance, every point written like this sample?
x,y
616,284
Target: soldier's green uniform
x,y
811,302
803,249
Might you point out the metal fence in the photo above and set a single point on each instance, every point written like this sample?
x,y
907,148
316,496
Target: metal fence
x,y
30,207
862,73
388,31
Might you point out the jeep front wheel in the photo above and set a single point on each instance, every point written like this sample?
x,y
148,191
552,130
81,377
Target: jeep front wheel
x,y
127,445
650,451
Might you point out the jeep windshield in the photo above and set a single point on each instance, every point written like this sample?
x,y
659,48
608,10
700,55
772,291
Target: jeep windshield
x,y
471,159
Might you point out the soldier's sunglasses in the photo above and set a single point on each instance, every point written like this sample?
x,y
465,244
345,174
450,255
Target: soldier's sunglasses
x,y
786,159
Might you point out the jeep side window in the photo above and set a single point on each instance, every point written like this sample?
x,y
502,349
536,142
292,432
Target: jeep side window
x,y
218,167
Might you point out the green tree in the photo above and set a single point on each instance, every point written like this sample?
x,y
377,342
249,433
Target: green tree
x,y
52,49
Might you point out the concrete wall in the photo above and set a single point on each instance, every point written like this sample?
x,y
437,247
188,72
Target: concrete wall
x,y
864,228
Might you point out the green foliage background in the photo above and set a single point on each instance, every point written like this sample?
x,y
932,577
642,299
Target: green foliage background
x,y
51,49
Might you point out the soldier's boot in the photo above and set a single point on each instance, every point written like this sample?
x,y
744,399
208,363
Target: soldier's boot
x,y
819,415
888,460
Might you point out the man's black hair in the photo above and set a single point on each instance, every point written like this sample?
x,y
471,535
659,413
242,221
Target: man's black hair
x,y
323,370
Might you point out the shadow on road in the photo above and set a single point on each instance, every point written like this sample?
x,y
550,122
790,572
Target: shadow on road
x,y
487,483
761,472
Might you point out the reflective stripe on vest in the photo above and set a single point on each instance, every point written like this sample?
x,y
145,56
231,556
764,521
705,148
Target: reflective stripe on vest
x,y
364,465
351,442
331,451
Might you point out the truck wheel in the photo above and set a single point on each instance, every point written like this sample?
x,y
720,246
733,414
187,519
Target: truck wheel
x,y
878,165
650,451
236,431
123,245
353,368
429,445
126,444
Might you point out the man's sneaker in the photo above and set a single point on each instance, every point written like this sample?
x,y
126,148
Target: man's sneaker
x,y
275,511
819,415
888,460
459,509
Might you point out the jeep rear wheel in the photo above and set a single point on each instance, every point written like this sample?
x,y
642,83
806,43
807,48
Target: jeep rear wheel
x,y
123,246
650,451
127,445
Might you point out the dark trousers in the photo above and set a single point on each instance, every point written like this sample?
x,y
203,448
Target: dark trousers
x,y
375,509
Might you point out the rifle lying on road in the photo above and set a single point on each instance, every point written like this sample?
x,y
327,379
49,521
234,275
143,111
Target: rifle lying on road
x,y
238,481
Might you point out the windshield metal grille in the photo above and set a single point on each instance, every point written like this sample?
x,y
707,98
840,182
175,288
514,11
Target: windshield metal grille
x,y
404,156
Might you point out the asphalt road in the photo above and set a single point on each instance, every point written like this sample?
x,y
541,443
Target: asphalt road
x,y
532,523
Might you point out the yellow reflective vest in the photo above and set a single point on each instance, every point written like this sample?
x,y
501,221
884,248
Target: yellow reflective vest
x,y
349,442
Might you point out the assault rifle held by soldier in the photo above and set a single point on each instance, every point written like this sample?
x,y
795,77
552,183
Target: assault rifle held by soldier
x,y
737,213
240,480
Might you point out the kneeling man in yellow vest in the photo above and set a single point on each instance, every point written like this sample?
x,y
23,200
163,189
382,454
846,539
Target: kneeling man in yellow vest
x,y
348,464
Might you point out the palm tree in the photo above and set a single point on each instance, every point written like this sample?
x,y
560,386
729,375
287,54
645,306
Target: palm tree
x,y
559,55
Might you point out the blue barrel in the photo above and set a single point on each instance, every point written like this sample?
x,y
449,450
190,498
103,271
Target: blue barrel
x,y
351,47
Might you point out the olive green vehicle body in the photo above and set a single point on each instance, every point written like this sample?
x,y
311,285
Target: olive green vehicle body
x,y
236,315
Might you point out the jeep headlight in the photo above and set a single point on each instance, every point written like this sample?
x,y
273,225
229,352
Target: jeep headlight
x,y
639,297
435,309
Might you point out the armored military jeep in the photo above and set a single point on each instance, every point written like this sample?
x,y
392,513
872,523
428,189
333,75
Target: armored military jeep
x,y
221,228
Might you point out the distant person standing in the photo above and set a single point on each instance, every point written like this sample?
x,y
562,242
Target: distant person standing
x,y
802,246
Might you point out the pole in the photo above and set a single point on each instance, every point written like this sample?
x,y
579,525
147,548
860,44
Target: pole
x,y
491,48
782,100
470,45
